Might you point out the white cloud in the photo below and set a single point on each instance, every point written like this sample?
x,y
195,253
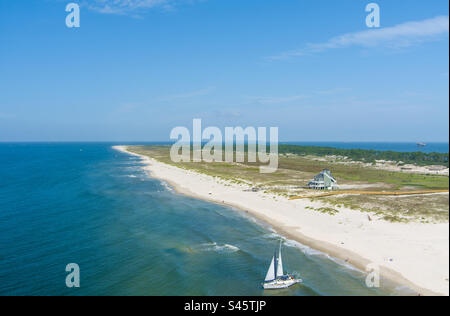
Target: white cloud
x,y
124,6
401,35
132,7
274,100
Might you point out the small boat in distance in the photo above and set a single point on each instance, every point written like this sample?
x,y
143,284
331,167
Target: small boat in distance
x,y
421,144
275,277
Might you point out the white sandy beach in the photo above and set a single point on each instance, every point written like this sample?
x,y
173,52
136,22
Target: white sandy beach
x,y
413,254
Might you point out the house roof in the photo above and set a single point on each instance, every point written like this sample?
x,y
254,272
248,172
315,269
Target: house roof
x,y
324,173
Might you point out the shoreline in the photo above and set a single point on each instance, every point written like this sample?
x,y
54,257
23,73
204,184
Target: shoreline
x,y
292,220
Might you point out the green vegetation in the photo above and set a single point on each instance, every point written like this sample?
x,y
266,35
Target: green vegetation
x,y
419,208
369,156
295,171
325,210
354,173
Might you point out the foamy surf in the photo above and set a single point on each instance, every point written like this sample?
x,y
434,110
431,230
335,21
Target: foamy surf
x,y
166,186
227,248
308,251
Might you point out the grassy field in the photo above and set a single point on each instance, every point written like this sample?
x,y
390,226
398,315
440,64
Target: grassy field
x,y
295,171
420,208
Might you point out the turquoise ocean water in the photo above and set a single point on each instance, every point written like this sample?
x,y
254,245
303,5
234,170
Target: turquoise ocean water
x,y
132,235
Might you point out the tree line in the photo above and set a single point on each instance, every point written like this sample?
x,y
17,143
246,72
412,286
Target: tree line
x,y
369,156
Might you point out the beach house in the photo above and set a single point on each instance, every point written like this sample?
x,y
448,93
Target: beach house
x,y
323,181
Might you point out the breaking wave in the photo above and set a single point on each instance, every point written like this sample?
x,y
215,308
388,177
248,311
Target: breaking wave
x,y
226,248
166,186
309,251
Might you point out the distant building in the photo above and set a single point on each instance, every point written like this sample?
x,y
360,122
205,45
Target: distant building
x,y
323,181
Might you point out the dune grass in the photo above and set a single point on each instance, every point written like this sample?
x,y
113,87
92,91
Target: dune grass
x,y
295,171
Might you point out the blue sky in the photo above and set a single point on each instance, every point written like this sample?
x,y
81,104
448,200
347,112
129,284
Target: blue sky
x,y
137,68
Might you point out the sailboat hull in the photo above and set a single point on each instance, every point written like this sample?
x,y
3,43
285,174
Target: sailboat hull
x,y
280,284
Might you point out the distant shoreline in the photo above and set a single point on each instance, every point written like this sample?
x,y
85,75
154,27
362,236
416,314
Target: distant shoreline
x,y
319,231
439,147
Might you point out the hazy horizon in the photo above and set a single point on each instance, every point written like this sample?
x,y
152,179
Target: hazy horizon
x,y
172,141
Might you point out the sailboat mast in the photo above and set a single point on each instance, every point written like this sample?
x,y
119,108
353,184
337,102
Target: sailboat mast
x,y
275,265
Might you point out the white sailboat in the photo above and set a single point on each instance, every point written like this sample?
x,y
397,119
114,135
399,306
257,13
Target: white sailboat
x,y
275,277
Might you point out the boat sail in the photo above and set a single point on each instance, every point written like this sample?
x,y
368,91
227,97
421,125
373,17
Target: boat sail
x,y
275,277
270,276
279,272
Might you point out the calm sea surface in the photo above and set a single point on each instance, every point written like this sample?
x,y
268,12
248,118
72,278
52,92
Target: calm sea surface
x,y
132,235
